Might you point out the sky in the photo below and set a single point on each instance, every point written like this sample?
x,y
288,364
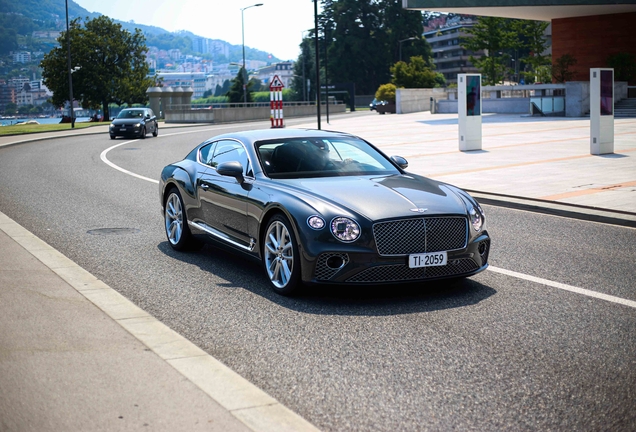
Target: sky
x,y
276,27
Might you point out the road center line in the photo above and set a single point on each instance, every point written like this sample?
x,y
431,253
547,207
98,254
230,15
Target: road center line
x,y
565,287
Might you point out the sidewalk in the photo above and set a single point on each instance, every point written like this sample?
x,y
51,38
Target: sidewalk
x,y
76,355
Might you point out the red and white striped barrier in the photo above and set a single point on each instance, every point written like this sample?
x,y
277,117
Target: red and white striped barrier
x,y
276,102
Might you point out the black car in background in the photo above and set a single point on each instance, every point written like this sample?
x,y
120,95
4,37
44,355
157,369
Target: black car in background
x,y
134,122
322,207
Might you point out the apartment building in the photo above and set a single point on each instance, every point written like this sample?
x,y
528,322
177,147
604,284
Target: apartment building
x,y
449,56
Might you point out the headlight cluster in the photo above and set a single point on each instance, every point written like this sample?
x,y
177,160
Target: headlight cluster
x,y
316,222
345,229
476,216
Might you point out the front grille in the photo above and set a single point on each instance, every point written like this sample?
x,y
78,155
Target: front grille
x,y
408,236
395,273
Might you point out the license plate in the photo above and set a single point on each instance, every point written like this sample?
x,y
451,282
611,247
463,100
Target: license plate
x,y
428,259
122,129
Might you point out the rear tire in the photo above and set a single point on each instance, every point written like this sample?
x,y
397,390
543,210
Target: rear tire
x,y
280,256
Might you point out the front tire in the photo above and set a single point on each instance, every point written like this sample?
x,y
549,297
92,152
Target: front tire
x,y
112,137
176,222
143,133
280,256
156,131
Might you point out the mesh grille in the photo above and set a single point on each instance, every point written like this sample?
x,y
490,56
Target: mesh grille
x,y
394,273
421,235
324,272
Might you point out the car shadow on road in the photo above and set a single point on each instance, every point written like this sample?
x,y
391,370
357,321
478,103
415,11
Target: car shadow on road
x,y
327,299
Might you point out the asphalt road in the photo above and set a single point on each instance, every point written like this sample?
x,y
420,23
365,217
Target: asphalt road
x,y
494,352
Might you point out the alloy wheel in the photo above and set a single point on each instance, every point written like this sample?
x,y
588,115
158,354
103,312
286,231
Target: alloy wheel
x,y
174,218
279,254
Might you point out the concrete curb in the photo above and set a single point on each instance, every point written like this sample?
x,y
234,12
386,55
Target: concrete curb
x,y
253,407
573,211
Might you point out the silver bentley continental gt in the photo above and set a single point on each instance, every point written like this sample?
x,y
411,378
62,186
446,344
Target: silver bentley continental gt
x,y
318,207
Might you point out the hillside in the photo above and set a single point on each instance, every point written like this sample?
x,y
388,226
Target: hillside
x,y
20,18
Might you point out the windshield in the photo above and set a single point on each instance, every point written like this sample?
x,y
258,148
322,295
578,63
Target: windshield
x,y
321,157
131,114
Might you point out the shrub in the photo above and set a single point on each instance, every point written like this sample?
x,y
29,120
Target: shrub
x,y
386,92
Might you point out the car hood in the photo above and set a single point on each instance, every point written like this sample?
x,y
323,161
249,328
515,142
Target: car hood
x,y
385,197
132,121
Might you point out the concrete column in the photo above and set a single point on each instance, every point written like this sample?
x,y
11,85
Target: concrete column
x,y
186,98
177,94
166,99
154,94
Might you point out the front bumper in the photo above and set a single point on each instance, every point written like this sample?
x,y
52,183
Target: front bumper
x,y
342,267
125,130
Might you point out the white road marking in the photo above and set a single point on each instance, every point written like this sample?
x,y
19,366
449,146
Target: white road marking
x,y
130,173
118,168
542,281
565,287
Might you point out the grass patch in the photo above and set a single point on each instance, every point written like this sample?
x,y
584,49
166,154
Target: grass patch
x,y
33,128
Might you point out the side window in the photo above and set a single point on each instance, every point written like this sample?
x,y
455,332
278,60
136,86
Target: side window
x,y
227,151
205,154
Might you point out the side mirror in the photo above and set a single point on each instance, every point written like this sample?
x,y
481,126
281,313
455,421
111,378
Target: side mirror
x,y
147,116
400,161
231,169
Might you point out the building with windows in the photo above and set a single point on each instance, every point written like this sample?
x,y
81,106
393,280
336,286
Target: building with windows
x,y
449,56
195,80
284,70
7,94
589,30
21,57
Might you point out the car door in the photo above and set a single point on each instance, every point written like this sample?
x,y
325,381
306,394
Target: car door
x,y
149,120
224,199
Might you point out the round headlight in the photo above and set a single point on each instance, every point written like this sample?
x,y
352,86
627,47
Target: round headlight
x,y
345,229
315,222
476,220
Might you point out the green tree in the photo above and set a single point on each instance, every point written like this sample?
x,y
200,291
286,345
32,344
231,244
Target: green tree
x,y
361,39
11,108
531,40
304,69
493,36
235,94
112,61
624,65
561,68
415,74
8,41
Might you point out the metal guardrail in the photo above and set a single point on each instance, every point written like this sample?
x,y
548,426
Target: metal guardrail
x,y
211,105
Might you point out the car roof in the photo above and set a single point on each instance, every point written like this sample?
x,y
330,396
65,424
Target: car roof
x,y
252,136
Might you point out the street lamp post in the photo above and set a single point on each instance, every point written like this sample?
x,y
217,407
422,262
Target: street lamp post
x,y
243,40
317,62
404,40
70,71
